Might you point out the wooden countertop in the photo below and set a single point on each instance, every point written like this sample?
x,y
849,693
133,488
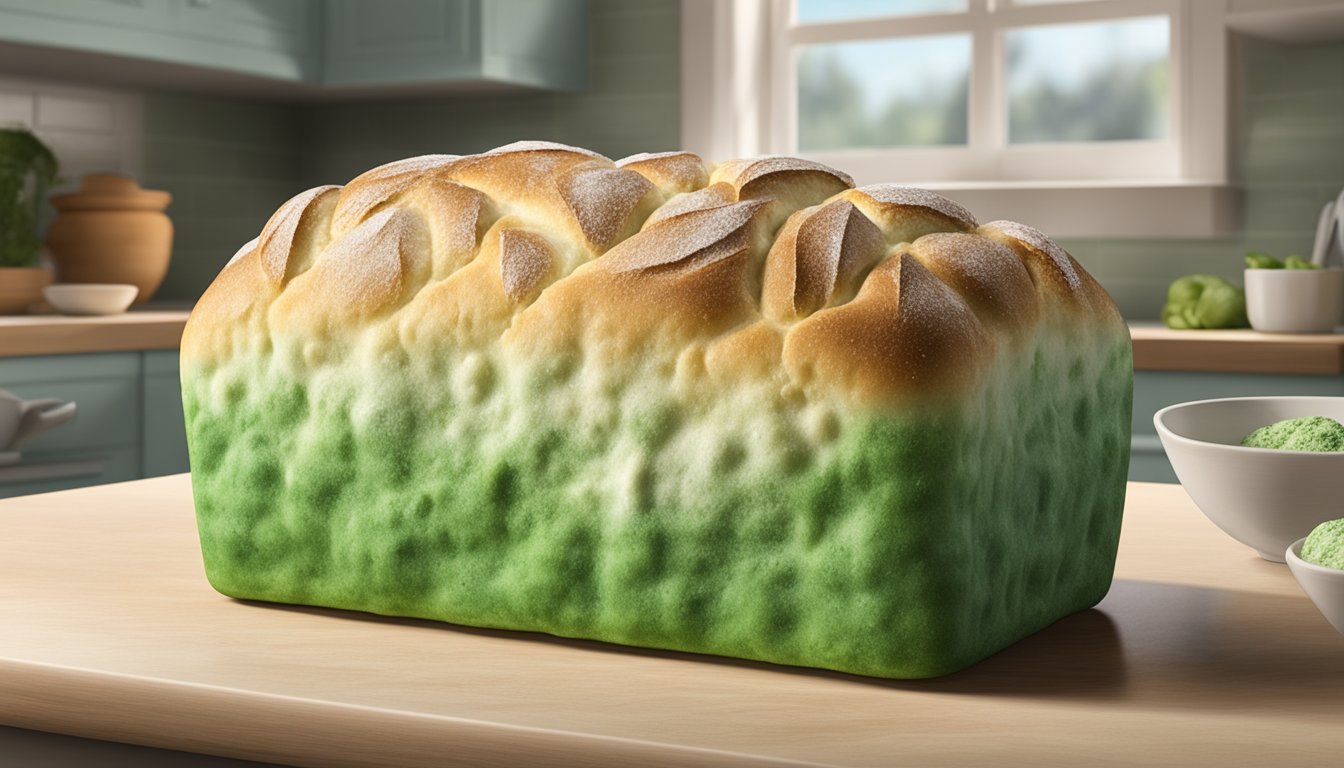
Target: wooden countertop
x,y
59,335
1157,348
1202,654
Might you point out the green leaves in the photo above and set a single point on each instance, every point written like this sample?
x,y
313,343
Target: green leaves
x,y
27,168
1204,301
1257,260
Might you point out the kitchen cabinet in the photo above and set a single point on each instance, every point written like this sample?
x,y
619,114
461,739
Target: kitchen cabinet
x,y
129,424
1155,390
309,47
520,42
274,39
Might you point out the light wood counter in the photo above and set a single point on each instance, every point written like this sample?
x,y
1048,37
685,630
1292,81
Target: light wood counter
x,y
59,335
1203,654
1157,348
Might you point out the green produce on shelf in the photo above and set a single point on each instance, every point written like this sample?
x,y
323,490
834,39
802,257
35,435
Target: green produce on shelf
x,y
1258,260
1204,301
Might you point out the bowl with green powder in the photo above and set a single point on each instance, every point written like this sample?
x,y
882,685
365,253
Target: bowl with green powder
x,y
1317,562
1266,470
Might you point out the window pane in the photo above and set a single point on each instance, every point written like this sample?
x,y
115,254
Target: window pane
x,y
1099,81
815,11
907,91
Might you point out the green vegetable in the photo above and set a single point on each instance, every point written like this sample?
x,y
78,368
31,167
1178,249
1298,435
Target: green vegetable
x,y
1308,433
1204,301
1325,545
1257,260
1297,262
27,168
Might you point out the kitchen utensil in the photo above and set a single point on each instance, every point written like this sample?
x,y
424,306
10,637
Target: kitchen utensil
x,y
1325,230
1295,300
23,419
1264,498
112,231
1325,586
1337,252
90,299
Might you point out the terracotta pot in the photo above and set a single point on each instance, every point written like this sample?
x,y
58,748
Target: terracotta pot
x,y
112,231
21,287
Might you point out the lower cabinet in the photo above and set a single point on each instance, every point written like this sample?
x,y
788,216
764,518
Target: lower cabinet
x,y
1155,390
129,424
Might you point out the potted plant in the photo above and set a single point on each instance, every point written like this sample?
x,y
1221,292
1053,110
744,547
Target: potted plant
x,y
27,168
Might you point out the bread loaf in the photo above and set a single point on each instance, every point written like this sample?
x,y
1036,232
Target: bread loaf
x,y
743,409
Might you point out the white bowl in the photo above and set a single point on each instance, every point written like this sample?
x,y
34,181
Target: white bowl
x,y
1295,300
1265,498
90,298
1325,586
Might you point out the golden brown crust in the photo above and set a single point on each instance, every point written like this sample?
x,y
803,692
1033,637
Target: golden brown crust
x,y
906,335
817,258
672,172
768,269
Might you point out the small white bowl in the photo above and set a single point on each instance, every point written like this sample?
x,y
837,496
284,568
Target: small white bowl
x,y
1265,498
1325,586
1295,300
90,298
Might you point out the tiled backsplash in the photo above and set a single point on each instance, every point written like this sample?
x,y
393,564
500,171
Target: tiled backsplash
x,y
229,165
89,129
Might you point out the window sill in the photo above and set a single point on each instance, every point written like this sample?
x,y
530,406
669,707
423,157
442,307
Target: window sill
x,y
1155,209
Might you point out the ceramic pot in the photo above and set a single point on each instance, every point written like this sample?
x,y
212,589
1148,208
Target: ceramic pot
x,y
112,231
20,287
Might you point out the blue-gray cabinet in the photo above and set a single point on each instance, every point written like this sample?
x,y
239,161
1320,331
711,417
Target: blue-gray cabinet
x,y
129,423
276,39
1154,390
317,45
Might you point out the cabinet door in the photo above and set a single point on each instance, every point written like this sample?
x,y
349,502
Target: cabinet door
x,y
401,41
165,440
283,26
101,444
131,14
1155,390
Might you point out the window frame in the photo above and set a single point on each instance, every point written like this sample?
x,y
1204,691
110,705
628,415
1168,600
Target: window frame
x,y
736,104
987,155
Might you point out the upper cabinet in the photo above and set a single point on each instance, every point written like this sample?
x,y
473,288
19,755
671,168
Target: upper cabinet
x,y
272,39
308,47
516,42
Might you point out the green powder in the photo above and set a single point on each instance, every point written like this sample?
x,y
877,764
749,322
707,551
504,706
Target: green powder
x,y
1309,433
1325,545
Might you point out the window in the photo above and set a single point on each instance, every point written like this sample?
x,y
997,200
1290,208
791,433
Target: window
x,y
1089,118
980,90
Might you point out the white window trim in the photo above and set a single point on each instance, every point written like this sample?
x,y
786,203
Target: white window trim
x,y
729,109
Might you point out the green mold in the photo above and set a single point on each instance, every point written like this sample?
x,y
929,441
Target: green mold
x,y
885,545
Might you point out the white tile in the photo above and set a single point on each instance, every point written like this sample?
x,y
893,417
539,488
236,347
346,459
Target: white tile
x,y
79,113
16,107
81,153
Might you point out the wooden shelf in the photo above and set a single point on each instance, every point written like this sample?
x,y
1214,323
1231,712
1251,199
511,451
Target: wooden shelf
x,y
57,335
1241,351
1201,654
